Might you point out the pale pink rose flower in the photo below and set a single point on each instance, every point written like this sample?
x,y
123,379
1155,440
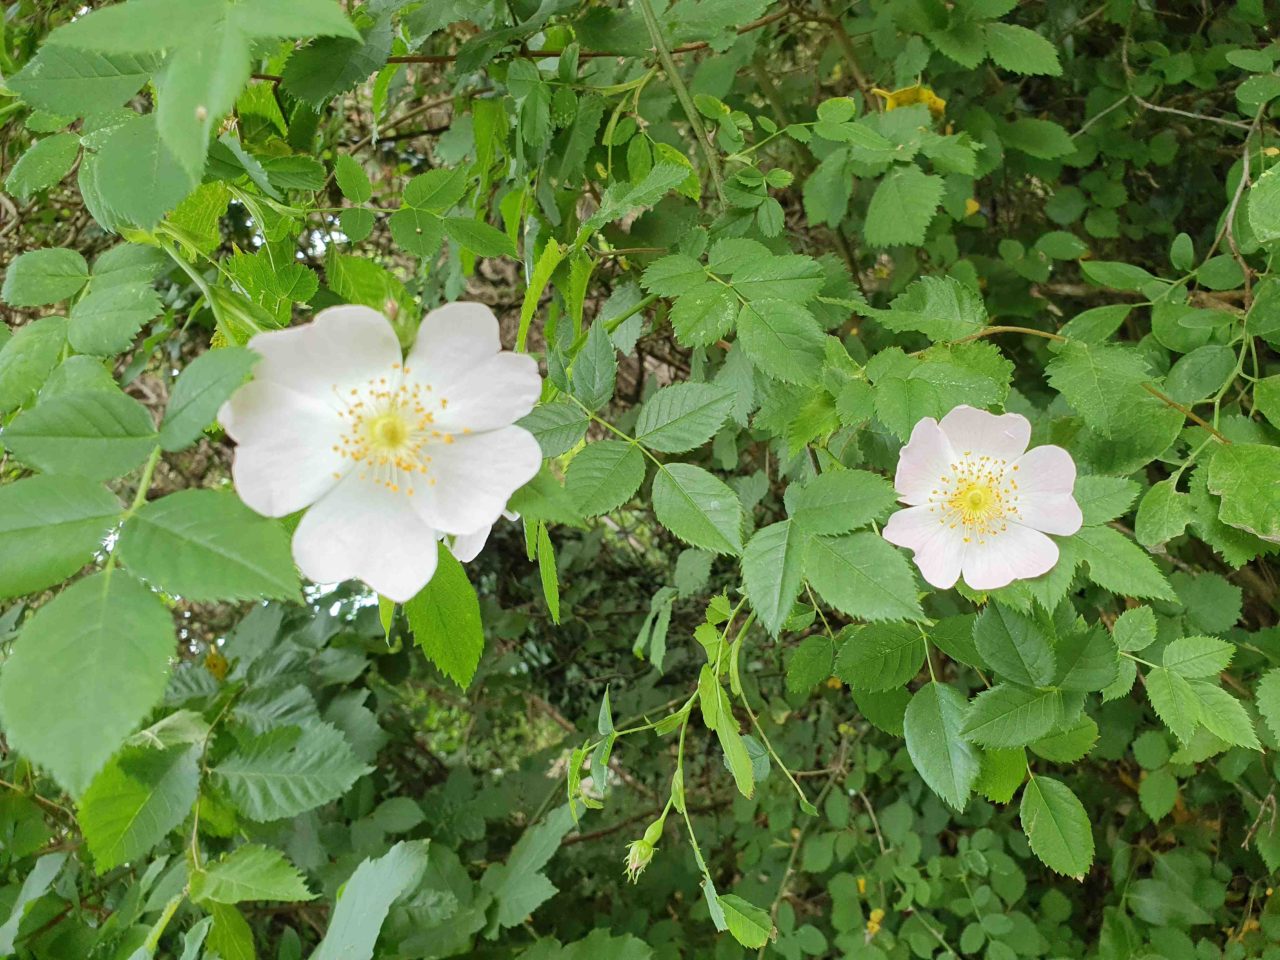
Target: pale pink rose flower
x,y
979,502
391,453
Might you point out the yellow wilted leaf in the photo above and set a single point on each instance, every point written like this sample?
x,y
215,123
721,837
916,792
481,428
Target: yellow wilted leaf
x,y
908,96
971,206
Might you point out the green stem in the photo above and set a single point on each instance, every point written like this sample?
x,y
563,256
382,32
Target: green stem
x,y
686,101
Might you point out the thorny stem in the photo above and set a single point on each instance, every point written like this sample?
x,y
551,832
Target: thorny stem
x,y
686,101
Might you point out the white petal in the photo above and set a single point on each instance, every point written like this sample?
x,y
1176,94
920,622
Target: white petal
x,y
363,530
452,341
467,546
924,462
285,458
1046,469
343,347
976,432
1056,513
1018,553
474,477
495,393
939,550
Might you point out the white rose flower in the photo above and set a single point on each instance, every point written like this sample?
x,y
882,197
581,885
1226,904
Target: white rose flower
x,y
980,503
391,455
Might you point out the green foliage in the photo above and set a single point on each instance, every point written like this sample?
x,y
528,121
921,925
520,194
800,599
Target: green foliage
x,y
751,247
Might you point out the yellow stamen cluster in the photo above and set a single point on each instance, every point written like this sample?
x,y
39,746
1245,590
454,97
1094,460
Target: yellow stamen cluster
x,y
979,494
389,424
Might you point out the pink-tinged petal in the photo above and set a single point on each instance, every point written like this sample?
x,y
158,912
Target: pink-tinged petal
x,y
1056,513
924,462
474,478
342,348
285,458
364,531
1047,469
495,393
1018,553
452,341
978,433
939,550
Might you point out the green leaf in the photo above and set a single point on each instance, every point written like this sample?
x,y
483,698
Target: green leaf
x,y
704,315
682,416
863,576
50,526
519,886
839,501
604,475
902,207
1158,793
202,387
1135,629
1057,827
1002,774
206,545
1119,565
445,619
43,165
1198,656
1014,646
479,238
557,426
1247,477
352,180
1099,382
106,320
772,570
1021,50
85,670
1071,744
1043,139
231,937
547,573
1008,715
698,508
366,898
250,872
943,758
942,308
811,663
1102,499
436,190
289,771
674,275
72,82
782,339
136,800
1163,513
1268,700
28,357
1174,701
595,369
417,231
38,277
1264,205
1087,660
333,65
34,886
748,924
139,177
1223,715
879,656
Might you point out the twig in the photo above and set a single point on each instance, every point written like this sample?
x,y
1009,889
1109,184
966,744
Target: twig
x,y
593,54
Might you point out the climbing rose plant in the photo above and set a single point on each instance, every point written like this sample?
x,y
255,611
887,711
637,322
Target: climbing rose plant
x,y
622,478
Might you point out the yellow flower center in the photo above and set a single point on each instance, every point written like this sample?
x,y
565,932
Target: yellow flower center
x,y
389,428
979,494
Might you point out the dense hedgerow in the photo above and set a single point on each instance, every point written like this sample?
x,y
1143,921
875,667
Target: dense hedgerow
x,y
756,251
